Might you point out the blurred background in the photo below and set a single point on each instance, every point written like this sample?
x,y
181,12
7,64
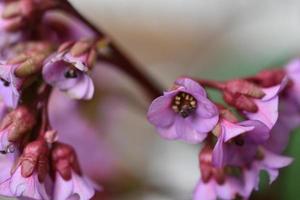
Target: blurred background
x,y
170,38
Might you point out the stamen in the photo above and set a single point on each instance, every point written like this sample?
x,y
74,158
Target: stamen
x,y
184,104
71,73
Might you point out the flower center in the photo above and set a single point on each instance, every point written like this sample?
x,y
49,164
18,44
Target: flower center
x,y
184,104
5,82
71,73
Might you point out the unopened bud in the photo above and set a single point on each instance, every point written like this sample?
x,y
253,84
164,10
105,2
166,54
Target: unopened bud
x,y
245,88
30,66
207,169
23,122
241,102
64,160
81,47
35,158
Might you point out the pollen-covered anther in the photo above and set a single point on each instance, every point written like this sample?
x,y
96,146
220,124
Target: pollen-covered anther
x,y
184,104
71,73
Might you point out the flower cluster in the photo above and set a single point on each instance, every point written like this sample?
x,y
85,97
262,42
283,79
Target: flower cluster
x,y
46,46
236,146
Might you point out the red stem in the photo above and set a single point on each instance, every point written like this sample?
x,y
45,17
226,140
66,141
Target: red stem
x,y
119,58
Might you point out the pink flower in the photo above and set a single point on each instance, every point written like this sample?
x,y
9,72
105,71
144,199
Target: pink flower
x,y
212,190
268,105
28,177
67,70
69,182
14,126
237,143
184,113
267,161
78,187
216,183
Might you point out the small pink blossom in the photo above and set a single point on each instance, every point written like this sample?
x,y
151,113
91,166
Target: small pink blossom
x,y
28,176
68,72
184,113
237,143
69,182
268,105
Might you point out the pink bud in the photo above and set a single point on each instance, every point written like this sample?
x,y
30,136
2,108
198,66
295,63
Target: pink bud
x,y
64,160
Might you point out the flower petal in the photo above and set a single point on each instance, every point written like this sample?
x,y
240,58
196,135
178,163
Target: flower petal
x,y
218,159
84,89
185,130
27,187
205,191
160,113
191,86
259,134
62,189
54,74
267,112
232,130
275,161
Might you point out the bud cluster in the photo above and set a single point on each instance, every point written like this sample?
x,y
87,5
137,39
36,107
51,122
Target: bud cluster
x,y
40,53
236,146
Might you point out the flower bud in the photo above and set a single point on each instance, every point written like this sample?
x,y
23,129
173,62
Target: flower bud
x,y
34,159
268,78
30,59
240,101
18,122
64,160
208,171
245,88
18,14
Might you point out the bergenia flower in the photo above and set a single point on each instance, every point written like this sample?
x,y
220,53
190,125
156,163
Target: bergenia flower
x,y
289,119
69,181
267,161
29,175
67,69
216,183
238,143
14,126
184,113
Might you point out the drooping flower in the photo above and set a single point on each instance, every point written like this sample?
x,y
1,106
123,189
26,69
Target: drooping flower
x,y
257,103
266,161
268,105
184,113
28,176
69,182
217,183
67,69
238,143
14,126
289,119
